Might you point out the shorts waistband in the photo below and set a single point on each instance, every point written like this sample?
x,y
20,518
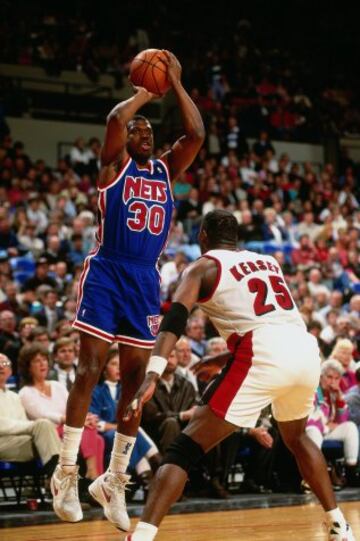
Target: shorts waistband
x,y
122,256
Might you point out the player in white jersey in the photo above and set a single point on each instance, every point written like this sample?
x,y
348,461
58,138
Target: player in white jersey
x,y
272,360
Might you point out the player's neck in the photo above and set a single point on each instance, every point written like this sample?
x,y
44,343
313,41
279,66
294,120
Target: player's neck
x,y
222,246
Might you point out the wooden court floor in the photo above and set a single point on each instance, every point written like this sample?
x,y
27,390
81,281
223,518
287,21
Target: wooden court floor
x,y
299,523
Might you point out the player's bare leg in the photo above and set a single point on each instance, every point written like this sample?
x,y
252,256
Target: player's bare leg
x,y
312,466
204,431
109,488
64,484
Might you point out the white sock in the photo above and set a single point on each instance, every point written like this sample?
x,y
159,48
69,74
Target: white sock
x,y
121,453
70,445
144,532
335,515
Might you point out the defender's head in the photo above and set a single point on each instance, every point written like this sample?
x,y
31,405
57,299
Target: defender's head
x,y
219,228
140,139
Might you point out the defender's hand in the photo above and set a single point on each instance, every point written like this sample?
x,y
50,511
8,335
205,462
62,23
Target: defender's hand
x,y
142,395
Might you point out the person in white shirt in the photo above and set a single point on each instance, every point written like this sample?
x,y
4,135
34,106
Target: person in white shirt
x,y
22,440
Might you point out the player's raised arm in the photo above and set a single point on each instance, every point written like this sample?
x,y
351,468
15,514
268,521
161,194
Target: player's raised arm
x,y
114,147
184,150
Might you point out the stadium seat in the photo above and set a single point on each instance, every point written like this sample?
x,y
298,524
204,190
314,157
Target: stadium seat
x,y
15,476
24,264
21,276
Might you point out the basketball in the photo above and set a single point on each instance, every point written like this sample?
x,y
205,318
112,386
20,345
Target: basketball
x,y
149,71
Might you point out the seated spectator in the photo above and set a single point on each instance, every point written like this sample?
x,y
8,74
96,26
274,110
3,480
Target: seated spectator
x,y
305,255
47,399
40,277
50,313
171,407
170,272
184,360
145,457
352,398
343,352
330,417
10,343
64,368
22,440
195,332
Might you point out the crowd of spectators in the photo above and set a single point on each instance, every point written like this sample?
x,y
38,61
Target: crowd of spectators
x,y
253,66
308,219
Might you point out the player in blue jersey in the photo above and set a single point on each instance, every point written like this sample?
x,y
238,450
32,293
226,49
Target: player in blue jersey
x,y
118,296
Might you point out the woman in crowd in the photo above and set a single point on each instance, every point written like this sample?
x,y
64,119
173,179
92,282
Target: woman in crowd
x,y
330,417
47,399
343,352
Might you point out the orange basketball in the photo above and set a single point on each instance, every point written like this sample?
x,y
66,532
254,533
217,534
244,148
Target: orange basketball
x,y
148,70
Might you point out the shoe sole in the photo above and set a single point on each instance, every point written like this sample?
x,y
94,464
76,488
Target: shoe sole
x,y
103,503
61,517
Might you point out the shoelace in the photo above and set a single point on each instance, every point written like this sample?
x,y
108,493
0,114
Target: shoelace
x,y
116,482
70,481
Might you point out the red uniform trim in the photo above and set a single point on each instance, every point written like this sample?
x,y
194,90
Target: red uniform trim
x,y
164,162
114,180
233,378
83,275
127,340
93,330
217,280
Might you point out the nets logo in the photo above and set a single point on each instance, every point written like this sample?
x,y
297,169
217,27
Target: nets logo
x,y
153,324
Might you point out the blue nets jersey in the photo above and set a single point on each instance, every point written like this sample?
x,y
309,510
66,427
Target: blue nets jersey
x,y
135,211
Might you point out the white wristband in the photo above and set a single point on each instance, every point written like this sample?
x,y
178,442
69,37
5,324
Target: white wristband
x,y
156,364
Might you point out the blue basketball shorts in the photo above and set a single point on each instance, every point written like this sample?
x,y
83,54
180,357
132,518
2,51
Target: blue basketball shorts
x,y
119,300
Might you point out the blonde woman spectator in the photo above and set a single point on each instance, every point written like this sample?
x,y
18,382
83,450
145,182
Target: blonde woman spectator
x,y
343,352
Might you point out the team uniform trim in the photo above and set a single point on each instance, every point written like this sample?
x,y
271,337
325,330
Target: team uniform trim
x,y
136,342
217,280
94,331
113,181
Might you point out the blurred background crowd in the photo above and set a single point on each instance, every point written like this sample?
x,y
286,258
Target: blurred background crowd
x,y
252,91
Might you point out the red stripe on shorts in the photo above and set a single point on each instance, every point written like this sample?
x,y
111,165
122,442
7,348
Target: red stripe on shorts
x,y
242,348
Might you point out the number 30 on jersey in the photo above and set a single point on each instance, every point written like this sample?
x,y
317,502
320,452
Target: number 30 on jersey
x,y
144,217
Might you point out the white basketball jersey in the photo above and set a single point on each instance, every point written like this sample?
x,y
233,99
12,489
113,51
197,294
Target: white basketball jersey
x,y
250,292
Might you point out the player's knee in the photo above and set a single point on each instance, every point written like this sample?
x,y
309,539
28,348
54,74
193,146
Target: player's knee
x,y
90,369
183,452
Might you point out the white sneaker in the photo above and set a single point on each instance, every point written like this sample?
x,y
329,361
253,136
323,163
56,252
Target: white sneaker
x,y
109,491
340,533
64,488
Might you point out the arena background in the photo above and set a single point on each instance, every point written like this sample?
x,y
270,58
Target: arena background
x,y
287,69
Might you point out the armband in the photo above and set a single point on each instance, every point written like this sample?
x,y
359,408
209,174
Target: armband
x,y
175,319
156,364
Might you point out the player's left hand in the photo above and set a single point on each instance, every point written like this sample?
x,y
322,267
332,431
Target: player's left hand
x,y
142,395
173,66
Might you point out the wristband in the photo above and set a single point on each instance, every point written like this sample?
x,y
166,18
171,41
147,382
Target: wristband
x,y
156,364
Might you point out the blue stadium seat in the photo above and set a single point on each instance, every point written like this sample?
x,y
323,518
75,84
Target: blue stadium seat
x,y
21,276
24,264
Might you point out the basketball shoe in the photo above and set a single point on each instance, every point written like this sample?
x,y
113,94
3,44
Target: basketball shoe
x,y
64,488
340,533
109,491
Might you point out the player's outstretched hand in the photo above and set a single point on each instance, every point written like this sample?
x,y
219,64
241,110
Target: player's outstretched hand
x,y
173,66
142,395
